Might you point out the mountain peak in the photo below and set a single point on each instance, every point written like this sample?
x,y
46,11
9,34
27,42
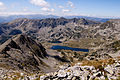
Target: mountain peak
x,y
22,49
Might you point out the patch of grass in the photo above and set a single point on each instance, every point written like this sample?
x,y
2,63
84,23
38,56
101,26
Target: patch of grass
x,y
98,64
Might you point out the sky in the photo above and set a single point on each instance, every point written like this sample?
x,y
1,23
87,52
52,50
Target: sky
x,y
96,8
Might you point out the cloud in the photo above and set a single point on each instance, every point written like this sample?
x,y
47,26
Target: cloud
x,y
41,3
60,6
2,6
70,4
19,13
25,9
65,10
47,9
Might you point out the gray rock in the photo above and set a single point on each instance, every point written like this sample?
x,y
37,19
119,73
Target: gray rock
x,y
62,73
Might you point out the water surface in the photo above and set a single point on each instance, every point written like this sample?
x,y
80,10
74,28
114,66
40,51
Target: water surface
x,y
58,47
54,41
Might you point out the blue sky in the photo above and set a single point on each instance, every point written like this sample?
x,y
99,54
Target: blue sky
x,y
97,8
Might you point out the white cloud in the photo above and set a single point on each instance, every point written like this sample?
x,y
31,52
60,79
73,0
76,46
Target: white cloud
x,y
65,10
47,9
70,4
20,13
60,6
2,6
25,9
41,3
52,10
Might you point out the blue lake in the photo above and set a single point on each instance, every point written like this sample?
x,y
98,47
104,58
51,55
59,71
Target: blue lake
x,y
57,47
54,41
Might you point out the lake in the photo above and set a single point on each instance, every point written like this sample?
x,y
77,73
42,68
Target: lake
x,y
54,41
57,47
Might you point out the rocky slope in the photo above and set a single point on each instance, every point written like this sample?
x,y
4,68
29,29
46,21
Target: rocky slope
x,y
79,72
106,71
109,32
22,53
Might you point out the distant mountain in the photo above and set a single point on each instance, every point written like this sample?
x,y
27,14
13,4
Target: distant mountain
x,y
90,18
39,16
13,17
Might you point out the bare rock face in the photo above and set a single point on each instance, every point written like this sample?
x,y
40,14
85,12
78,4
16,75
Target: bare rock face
x,y
22,53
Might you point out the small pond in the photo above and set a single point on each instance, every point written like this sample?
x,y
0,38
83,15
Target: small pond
x,y
58,47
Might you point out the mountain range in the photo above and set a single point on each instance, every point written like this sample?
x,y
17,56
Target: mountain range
x,y
34,26
39,16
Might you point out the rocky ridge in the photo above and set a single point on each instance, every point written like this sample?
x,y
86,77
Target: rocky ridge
x,y
22,53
